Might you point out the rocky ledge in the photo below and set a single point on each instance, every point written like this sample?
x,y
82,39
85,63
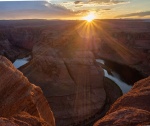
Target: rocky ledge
x,y
21,103
132,109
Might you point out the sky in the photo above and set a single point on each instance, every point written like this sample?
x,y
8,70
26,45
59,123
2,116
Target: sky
x,y
74,9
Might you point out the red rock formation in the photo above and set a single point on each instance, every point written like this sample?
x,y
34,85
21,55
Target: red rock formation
x,y
18,94
72,85
23,119
131,109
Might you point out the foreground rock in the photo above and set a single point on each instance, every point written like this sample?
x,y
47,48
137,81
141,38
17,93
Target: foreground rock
x,y
23,119
131,109
21,102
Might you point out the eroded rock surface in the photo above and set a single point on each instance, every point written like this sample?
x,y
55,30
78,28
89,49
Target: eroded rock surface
x,y
131,109
19,95
22,119
72,85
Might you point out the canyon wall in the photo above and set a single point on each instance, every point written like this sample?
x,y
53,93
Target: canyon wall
x,y
23,103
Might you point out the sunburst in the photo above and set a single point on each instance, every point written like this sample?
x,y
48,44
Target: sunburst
x,y
90,17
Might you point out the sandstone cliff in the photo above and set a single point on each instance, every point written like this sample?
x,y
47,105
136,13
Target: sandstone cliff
x,y
21,101
131,109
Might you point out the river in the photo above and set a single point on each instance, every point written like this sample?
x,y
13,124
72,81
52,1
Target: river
x,y
122,75
20,62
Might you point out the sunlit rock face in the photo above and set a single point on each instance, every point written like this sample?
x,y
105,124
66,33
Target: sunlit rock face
x,y
130,109
19,95
72,84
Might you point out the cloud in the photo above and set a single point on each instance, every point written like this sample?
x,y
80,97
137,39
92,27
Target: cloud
x,y
138,14
107,9
110,2
33,9
81,12
77,2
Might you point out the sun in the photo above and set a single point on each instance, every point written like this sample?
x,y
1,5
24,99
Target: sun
x,y
90,17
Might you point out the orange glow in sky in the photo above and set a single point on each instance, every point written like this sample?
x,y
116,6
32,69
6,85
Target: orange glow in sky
x,y
74,9
90,17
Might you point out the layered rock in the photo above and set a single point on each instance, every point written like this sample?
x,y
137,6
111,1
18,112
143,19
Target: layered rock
x,y
130,109
23,119
19,95
72,85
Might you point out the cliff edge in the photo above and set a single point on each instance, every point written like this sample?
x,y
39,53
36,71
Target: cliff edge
x,y
131,109
21,103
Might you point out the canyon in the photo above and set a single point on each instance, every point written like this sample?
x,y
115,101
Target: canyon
x,y
63,67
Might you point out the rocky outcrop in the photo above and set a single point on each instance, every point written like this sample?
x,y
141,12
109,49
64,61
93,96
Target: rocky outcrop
x,y
19,95
131,109
72,85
